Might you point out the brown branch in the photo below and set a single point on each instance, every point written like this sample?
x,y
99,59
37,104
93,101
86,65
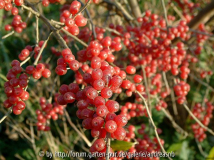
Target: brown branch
x,y
146,86
135,8
108,146
37,30
197,120
5,116
119,9
8,35
82,9
41,50
203,16
153,124
203,83
75,128
92,24
74,37
174,124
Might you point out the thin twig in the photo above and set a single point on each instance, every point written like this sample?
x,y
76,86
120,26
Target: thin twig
x,y
174,124
89,17
5,116
8,35
28,17
146,86
33,141
165,14
74,37
153,124
41,50
37,30
9,111
108,146
82,9
135,8
203,83
27,59
177,11
171,93
75,128
120,7
200,149
197,120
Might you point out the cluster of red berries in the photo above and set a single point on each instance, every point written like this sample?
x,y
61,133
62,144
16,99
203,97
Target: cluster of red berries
x,y
198,111
181,90
48,111
131,110
71,20
67,59
17,24
55,51
204,74
14,88
186,6
157,83
146,144
39,71
7,5
161,104
25,53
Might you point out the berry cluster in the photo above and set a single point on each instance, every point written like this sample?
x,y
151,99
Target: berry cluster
x,y
131,110
198,111
71,20
181,90
7,5
25,53
14,88
146,144
48,111
55,51
187,6
17,24
161,104
39,71
67,59
204,74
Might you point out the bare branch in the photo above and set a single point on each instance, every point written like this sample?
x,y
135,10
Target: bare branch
x,y
153,124
82,9
5,116
37,30
108,146
8,35
41,50
174,124
197,120
74,37
75,128
135,8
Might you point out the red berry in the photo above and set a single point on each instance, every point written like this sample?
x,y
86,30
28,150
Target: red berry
x,y
97,122
112,106
102,111
99,144
106,92
69,97
120,134
18,2
121,120
110,126
46,73
130,69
